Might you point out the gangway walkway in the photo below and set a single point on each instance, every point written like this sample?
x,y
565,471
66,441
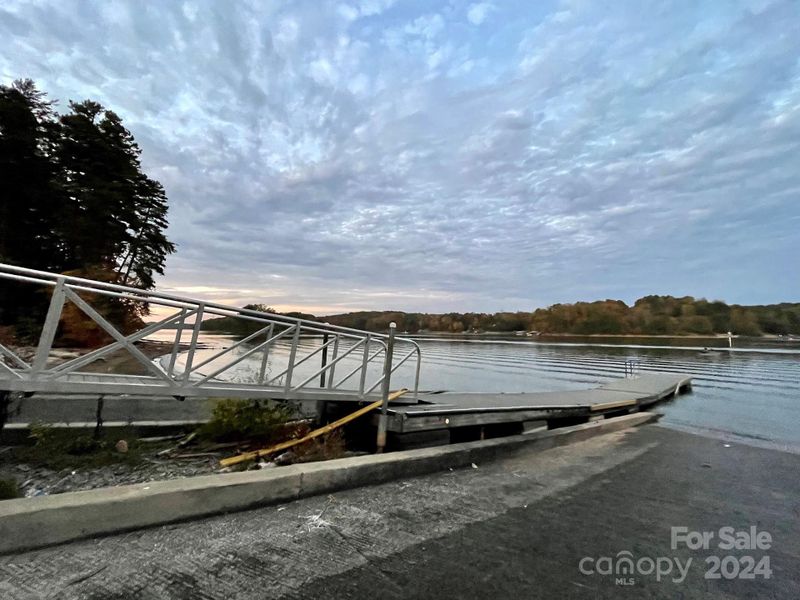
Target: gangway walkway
x,y
288,359
353,368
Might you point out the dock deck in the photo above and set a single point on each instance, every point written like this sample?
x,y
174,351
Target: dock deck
x,y
453,410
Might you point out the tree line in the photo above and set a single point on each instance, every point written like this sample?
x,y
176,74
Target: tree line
x,y
74,199
651,315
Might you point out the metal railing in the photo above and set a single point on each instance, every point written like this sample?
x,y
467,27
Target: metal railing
x,y
280,349
632,367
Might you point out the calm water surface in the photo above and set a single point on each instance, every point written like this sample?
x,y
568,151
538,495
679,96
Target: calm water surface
x,y
753,393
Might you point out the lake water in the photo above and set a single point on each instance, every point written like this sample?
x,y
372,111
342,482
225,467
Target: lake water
x,y
750,393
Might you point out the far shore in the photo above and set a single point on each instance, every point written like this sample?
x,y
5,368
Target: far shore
x,y
709,336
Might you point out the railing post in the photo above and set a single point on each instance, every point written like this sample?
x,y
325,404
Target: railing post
x,y
335,355
387,374
324,359
50,327
292,355
364,364
262,372
176,344
198,321
416,375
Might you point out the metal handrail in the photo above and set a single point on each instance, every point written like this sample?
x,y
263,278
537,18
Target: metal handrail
x,y
67,289
632,366
33,276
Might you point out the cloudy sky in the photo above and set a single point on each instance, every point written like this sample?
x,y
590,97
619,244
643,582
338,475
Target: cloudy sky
x,y
445,156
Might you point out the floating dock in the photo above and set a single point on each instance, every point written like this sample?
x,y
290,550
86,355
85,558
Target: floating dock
x,y
501,412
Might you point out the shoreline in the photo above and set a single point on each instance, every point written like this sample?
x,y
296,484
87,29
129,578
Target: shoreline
x,y
716,336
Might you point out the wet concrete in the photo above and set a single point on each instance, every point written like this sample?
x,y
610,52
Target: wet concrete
x,y
516,527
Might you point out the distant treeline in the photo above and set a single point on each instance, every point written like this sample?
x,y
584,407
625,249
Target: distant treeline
x,y
651,315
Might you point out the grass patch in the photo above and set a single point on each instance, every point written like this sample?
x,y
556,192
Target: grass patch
x,y
60,448
9,489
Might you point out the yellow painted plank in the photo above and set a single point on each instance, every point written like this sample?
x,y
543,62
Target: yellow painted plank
x,y
234,460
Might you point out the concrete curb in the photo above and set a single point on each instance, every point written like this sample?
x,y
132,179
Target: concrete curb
x,y
43,521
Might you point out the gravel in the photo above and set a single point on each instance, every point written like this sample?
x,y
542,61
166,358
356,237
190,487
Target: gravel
x,y
38,481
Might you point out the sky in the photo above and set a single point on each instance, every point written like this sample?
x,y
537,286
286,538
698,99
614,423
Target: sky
x,y
448,156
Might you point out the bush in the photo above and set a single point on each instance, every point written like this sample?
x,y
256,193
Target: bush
x,y
246,419
9,489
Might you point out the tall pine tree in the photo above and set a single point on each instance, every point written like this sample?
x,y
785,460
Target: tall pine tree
x,y
31,200
75,198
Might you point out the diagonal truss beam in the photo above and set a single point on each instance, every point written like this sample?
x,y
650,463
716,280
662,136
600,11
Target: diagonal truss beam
x,y
330,365
112,331
212,358
77,363
392,370
361,365
242,357
6,369
50,327
8,353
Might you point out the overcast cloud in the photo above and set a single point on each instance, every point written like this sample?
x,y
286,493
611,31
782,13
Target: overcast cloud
x,y
449,156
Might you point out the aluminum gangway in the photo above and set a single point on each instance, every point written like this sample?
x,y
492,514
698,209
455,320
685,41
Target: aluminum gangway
x,y
286,358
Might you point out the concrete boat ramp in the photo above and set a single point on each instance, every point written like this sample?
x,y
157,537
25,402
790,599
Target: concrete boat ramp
x,y
490,414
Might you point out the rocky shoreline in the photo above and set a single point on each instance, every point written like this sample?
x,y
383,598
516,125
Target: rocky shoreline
x,y
40,481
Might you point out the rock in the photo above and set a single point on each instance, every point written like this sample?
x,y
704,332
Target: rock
x,y
285,459
122,447
64,354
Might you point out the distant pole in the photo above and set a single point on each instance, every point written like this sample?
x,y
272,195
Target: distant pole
x,y
324,359
387,374
322,409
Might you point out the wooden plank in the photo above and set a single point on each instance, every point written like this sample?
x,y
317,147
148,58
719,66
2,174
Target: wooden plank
x,y
234,460
649,384
477,402
430,423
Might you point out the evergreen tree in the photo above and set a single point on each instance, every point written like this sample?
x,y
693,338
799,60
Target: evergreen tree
x,y
74,198
99,181
120,213
30,195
